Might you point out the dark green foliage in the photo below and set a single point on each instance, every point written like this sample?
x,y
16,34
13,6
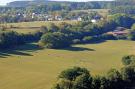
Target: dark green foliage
x,y
123,9
10,38
128,74
127,60
79,78
96,83
105,83
63,84
44,29
108,37
51,28
123,6
87,39
85,32
54,40
75,78
131,35
42,5
72,74
115,79
82,82
121,37
122,20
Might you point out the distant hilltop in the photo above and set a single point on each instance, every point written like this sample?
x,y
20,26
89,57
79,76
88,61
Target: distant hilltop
x,y
26,3
40,2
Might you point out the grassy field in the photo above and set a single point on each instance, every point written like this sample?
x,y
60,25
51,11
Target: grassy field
x,y
28,67
103,12
39,23
26,27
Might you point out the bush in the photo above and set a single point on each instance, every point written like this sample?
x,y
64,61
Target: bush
x,y
54,40
131,35
115,79
76,41
108,37
10,38
71,74
83,81
127,60
87,39
74,78
79,78
128,74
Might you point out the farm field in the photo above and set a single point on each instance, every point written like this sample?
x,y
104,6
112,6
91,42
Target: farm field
x,y
28,67
26,27
103,12
39,23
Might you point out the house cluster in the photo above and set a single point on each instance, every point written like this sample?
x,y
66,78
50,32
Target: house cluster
x,y
50,17
119,31
43,17
46,17
96,18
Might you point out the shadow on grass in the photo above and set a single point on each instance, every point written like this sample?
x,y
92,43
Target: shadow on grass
x,y
24,50
96,42
78,49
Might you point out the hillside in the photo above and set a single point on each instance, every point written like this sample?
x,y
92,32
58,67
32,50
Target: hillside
x,y
95,4
27,67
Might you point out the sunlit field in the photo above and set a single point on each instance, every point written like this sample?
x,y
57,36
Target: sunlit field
x,y
39,23
26,27
28,67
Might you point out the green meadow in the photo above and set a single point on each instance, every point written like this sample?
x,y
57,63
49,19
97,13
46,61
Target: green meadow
x,y
29,67
28,27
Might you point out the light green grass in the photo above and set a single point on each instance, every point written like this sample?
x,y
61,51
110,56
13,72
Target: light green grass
x,y
39,23
28,67
26,27
23,30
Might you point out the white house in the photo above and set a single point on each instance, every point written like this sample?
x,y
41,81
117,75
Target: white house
x,y
79,19
93,20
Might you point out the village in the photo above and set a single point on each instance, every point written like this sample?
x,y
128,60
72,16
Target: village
x,y
25,17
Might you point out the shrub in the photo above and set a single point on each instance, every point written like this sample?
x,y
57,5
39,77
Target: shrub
x,y
127,60
55,40
87,39
76,41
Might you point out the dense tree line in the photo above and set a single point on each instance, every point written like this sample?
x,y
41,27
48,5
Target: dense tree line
x,y
130,10
49,6
131,35
65,34
45,6
123,6
54,40
53,5
80,78
122,20
13,11
10,39
87,32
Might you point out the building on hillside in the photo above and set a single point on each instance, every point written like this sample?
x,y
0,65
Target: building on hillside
x,y
58,18
93,20
96,18
79,19
119,31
